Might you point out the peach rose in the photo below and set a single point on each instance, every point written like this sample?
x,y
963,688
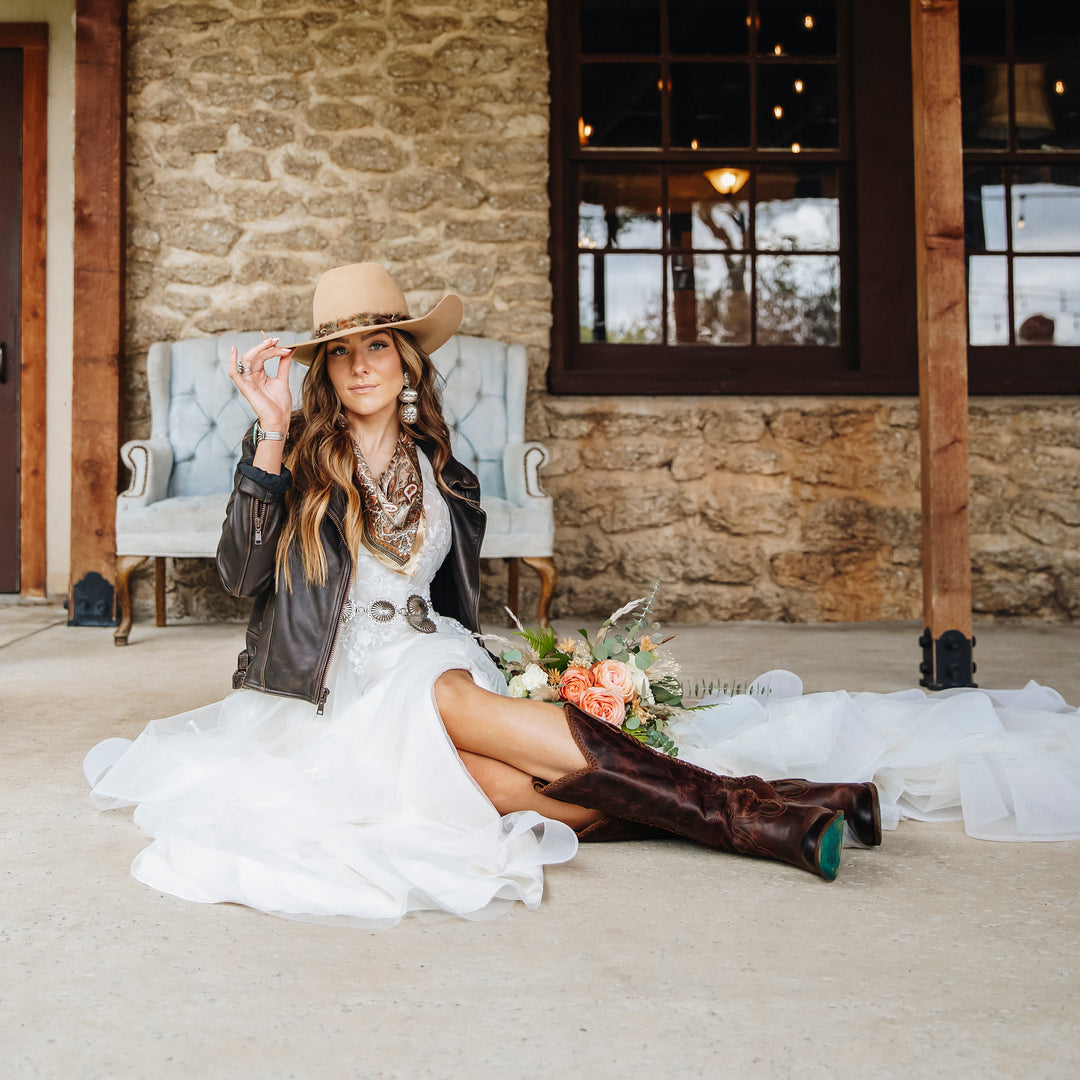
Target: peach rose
x,y
574,682
600,702
616,676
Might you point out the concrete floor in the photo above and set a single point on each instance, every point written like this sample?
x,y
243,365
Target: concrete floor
x,y
935,955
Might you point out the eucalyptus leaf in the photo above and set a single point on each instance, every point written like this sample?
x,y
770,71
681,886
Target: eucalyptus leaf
x,y
633,723
512,656
644,659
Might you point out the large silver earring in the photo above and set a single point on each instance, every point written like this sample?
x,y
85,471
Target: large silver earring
x,y
407,397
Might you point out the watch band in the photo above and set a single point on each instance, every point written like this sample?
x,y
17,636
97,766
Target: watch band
x,y
258,434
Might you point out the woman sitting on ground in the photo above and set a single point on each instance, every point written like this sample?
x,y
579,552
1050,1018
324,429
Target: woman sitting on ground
x,y
372,764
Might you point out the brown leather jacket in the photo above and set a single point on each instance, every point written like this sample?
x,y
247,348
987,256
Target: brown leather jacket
x,y
291,635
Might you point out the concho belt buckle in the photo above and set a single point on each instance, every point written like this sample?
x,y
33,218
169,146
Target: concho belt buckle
x,y
415,613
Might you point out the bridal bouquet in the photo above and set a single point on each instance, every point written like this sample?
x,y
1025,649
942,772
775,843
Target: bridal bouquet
x,y
620,676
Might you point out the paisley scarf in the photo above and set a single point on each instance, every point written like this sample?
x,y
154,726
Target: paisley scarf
x,y
393,507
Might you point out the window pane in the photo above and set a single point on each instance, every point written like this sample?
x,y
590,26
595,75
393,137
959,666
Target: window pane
x,y
621,103
797,27
710,105
797,209
1045,292
1046,208
1047,29
700,215
709,300
620,26
984,102
988,301
984,208
620,298
982,28
798,104
1047,106
798,299
619,206
708,27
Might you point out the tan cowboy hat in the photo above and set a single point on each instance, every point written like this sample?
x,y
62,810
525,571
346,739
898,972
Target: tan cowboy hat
x,y
351,299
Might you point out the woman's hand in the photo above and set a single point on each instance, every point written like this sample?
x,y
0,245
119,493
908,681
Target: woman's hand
x,y
269,397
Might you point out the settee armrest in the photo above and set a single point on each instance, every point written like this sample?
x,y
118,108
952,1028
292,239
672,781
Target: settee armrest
x,y
521,472
150,461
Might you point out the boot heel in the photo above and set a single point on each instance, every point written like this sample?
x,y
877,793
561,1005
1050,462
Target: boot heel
x,y
830,847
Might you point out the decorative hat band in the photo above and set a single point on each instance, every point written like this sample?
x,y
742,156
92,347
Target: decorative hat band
x,y
364,318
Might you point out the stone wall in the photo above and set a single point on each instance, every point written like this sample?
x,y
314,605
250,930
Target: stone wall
x,y
272,139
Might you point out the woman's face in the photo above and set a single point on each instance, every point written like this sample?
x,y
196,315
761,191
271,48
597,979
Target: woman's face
x,y
366,371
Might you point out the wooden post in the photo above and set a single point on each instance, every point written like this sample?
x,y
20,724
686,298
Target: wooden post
x,y
943,399
98,308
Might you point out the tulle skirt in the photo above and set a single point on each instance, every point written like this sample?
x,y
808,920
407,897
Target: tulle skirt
x,y
364,814
1006,762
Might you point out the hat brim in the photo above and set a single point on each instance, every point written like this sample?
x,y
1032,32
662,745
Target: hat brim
x,y
429,331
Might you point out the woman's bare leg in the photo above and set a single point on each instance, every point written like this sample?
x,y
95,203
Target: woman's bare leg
x,y
510,789
533,736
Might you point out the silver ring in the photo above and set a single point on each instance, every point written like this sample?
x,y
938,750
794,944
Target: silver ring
x,y
239,367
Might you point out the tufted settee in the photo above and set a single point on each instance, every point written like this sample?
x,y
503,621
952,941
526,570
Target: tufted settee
x,y
182,475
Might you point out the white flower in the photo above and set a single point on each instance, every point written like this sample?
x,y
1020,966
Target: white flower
x,y
533,677
517,688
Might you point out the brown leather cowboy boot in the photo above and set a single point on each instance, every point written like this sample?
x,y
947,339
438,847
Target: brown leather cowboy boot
x,y
862,810
610,829
625,779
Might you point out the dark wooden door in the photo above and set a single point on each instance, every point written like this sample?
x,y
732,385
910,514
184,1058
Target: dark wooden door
x,y
11,107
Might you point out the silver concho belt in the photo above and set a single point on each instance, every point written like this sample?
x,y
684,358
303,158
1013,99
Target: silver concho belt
x,y
415,612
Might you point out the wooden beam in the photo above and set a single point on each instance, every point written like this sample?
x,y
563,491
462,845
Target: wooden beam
x,y
942,301
33,40
99,307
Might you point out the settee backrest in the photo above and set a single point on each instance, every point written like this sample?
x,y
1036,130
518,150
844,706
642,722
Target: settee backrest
x,y
484,403
197,408
205,415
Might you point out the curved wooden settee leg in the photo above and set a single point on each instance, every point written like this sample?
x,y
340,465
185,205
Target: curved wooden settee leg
x,y
125,565
545,567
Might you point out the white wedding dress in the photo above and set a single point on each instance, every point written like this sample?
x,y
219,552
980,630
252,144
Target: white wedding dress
x,y
1006,762
365,813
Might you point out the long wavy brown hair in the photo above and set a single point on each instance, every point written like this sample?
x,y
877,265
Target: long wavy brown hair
x,y
320,456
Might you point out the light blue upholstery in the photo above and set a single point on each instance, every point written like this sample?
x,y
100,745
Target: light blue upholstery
x,y
484,406
182,475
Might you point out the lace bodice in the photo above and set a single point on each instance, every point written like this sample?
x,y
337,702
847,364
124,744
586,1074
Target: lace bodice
x,y
373,581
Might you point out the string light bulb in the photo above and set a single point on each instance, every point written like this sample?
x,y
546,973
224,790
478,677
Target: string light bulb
x,y
583,131
799,86
1021,221
693,144
796,148
1059,87
808,22
778,49
778,111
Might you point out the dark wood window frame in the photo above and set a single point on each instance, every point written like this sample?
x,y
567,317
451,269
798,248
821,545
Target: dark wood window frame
x,y
878,354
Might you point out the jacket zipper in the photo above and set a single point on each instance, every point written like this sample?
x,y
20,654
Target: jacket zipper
x,y
261,510
337,626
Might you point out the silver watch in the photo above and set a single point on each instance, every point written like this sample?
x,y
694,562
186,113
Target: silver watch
x,y
273,436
